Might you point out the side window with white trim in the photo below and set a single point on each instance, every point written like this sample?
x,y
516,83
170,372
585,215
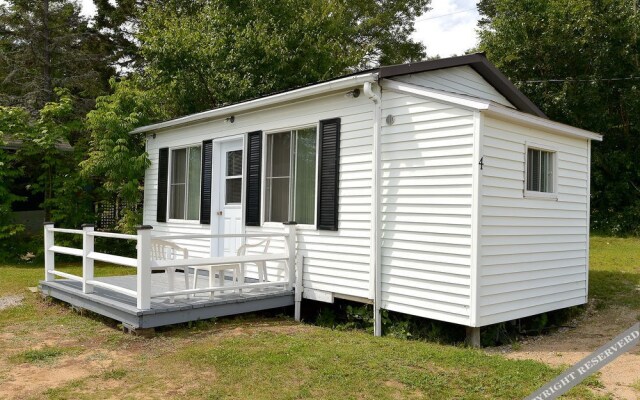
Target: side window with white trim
x,y
540,170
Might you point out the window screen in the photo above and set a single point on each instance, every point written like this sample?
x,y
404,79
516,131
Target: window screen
x,y
291,176
540,171
184,199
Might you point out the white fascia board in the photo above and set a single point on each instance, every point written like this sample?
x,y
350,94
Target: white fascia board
x,y
276,99
490,108
507,114
468,102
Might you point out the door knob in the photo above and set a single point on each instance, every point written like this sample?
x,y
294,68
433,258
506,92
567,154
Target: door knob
x,y
219,213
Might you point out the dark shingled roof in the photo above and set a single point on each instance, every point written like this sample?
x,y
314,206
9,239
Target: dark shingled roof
x,y
481,65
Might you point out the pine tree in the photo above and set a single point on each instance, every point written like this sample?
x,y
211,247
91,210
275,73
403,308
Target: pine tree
x,y
47,44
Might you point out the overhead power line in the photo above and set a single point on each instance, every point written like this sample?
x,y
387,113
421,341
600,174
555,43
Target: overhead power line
x,y
629,78
444,15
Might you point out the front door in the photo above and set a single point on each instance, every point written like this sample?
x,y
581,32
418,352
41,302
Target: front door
x,y
229,213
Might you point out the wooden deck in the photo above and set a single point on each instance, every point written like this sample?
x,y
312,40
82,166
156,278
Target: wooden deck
x,y
200,306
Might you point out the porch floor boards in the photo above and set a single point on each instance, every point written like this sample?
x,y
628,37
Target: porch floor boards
x,y
123,308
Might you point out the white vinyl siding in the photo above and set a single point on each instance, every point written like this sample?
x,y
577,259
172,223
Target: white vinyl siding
x,y
461,80
426,178
533,250
335,262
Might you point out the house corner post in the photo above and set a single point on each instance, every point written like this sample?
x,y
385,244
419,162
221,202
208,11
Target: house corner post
x,y
49,255
473,337
291,231
87,263
377,318
475,260
299,288
144,267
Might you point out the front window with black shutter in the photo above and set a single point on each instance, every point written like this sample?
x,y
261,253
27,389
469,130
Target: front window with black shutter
x,y
290,176
184,183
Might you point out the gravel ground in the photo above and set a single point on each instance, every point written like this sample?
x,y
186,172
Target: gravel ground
x,y
593,329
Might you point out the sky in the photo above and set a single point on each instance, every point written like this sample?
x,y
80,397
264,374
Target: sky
x,y
447,30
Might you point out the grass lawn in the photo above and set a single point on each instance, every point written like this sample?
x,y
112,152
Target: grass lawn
x,y
48,351
614,275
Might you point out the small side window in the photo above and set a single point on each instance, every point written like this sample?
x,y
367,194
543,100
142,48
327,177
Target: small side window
x,y
540,170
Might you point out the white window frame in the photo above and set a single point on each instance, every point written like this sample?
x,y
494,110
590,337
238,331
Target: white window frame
x,y
553,195
226,178
263,194
183,220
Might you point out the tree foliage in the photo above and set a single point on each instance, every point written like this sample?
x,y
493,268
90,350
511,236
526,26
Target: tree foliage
x,y
46,44
578,60
117,159
119,21
10,119
208,53
45,157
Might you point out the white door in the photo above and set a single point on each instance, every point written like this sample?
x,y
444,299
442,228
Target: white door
x,y
229,213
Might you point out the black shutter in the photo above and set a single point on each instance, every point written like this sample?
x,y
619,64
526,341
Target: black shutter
x,y
328,170
163,177
254,178
205,187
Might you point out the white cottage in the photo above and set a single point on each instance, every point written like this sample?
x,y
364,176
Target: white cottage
x,y
435,189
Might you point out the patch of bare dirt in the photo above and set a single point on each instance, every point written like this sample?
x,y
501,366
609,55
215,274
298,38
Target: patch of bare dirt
x,y
595,328
399,391
10,301
23,380
252,329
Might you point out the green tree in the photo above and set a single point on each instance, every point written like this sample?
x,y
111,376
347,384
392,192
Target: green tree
x,y
119,21
44,155
578,60
46,44
117,160
9,170
208,53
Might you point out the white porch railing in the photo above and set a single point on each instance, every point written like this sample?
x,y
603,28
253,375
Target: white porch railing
x,y
144,263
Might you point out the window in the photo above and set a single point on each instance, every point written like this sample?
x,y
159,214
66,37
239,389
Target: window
x,y
184,199
540,167
233,177
291,176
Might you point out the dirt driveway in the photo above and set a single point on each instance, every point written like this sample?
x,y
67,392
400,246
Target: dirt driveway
x,y
593,329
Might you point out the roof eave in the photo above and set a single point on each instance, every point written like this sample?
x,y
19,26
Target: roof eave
x,y
505,113
273,100
490,108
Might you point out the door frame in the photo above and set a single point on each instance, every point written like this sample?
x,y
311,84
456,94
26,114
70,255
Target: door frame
x,y
216,186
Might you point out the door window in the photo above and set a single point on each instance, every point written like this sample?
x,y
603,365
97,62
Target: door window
x,y
233,177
